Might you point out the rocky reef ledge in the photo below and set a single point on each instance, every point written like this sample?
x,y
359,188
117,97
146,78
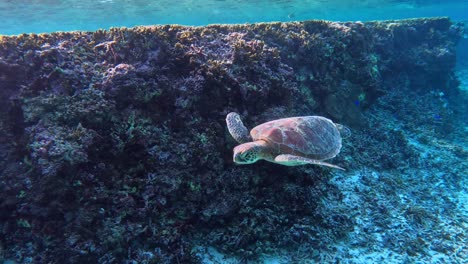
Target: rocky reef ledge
x,y
113,147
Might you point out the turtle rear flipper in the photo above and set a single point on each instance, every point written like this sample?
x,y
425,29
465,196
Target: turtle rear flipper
x,y
345,132
237,129
291,160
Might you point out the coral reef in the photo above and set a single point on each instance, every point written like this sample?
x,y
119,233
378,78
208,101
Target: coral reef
x,y
114,149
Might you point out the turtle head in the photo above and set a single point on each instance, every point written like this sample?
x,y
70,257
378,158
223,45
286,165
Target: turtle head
x,y
247,153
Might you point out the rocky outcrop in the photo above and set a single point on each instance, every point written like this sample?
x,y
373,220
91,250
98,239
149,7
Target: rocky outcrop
x,y
113,144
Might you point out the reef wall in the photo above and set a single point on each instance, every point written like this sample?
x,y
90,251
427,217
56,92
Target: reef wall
x,y
113,144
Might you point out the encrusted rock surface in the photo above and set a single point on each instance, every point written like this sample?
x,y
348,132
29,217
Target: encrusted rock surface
x,y
113,144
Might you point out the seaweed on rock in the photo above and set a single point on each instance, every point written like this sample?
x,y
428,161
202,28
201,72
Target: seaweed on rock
x,y
114,148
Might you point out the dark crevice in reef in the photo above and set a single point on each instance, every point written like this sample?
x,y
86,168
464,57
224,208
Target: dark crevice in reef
x,y
113,143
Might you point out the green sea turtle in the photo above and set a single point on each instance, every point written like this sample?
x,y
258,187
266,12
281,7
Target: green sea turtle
x,y
288,141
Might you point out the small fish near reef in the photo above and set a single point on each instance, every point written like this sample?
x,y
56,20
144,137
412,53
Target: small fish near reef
x,y
288,141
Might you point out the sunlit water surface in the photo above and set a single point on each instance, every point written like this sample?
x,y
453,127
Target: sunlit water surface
x,y
64,15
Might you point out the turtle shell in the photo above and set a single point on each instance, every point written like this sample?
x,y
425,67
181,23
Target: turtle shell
x,y
313,137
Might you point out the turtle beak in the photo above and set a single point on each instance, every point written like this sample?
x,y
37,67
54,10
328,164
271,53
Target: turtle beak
x,y
238,157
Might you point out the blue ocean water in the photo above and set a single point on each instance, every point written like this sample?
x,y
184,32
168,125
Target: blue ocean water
x,y
28,16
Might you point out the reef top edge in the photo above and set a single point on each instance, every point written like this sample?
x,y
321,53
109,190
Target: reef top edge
x,y
239,26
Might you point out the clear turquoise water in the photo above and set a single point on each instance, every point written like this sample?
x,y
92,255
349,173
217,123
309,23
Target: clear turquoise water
x,y
26,16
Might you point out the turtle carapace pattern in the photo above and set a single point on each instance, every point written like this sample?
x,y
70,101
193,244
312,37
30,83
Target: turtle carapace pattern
x,y
288,141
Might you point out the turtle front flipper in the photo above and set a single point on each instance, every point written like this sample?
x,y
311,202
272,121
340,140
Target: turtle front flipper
x,y
291,160
237,129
